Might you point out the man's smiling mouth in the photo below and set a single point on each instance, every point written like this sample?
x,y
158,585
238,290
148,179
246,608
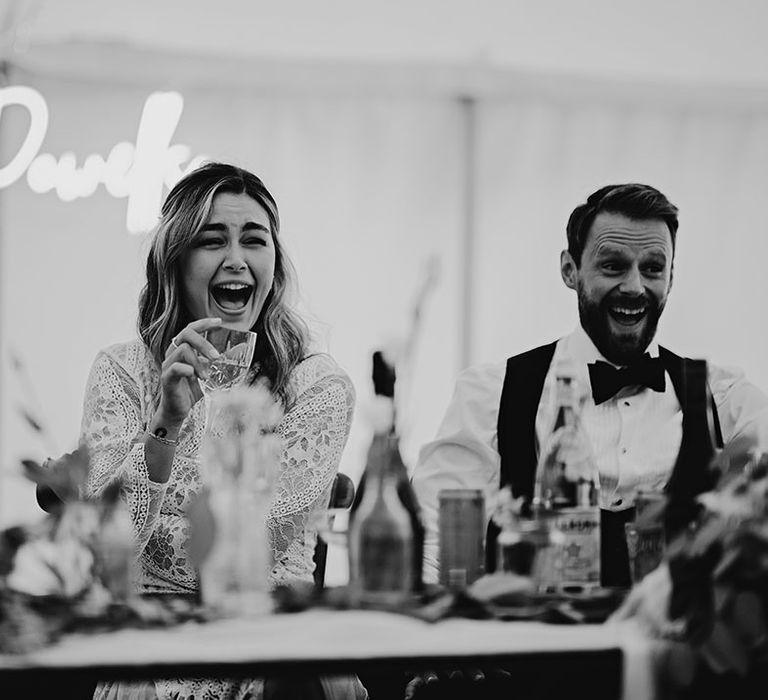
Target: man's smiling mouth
x,y
627,316
232,296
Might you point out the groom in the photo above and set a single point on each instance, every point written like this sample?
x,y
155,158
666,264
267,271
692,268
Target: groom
x,y
619,261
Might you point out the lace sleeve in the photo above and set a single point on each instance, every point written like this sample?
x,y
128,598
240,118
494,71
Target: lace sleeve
x,y
112,427
314,433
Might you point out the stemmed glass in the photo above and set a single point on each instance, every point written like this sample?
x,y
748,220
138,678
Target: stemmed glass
x,y
227,371
236,353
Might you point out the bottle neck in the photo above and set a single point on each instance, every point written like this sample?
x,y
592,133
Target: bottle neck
x,y
382,469
566,473
586,493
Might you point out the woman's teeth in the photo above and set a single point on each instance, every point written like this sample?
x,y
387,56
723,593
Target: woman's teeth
x,y
232,296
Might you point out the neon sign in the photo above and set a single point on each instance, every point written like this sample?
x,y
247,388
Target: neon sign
x,y
136,171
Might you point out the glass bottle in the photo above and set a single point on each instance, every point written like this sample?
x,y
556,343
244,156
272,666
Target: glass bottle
x,y
566,495
381,541
696,468
383,418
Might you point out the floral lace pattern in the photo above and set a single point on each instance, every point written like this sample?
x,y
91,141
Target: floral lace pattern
x,y
120,400
119,403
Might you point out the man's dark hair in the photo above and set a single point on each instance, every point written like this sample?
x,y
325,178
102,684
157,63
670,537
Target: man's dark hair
x,y
635,201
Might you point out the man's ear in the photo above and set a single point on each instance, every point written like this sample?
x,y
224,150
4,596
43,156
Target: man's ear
x,y
568,269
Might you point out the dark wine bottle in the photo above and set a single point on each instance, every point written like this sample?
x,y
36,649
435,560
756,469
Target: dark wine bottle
x,y
694,471
386,439
380,534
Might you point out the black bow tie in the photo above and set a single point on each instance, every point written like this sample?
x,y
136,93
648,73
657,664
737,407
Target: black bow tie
x,y
607,380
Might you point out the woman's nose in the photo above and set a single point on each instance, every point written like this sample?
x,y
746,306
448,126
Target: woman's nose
x,y
234,260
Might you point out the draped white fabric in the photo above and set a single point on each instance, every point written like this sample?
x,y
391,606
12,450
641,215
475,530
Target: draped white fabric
x,y
539,156
371,183
368,188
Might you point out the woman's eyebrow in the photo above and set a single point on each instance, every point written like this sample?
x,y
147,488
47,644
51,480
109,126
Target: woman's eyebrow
x,y
253,226
221,228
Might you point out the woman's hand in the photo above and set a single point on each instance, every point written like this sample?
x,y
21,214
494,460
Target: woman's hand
x,y
187,359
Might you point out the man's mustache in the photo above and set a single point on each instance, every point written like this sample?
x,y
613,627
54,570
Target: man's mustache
x,y
631,302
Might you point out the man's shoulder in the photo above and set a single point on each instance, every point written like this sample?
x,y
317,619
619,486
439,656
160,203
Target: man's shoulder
x,y
540,352
481,372
718,374
495,371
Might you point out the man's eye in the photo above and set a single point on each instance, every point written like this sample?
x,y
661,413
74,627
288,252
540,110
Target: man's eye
x,y
612,267
654,269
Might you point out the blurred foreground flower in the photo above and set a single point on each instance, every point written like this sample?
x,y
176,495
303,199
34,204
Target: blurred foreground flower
x,y
82,552
229,542
712,590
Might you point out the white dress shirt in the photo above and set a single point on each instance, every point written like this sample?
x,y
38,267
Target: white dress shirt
x,y
635,436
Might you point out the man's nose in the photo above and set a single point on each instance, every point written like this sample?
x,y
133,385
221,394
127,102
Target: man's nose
x,y
632,283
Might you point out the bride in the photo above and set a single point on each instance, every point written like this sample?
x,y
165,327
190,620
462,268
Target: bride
x,y
215,258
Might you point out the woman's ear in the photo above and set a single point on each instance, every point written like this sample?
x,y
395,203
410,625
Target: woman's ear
x,y
568,270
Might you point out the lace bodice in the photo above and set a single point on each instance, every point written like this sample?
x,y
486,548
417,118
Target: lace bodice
x,y
121,396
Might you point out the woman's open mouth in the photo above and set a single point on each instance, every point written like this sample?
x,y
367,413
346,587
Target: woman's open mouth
x,y
232,296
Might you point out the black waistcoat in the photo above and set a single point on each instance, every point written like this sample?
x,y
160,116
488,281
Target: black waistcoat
x,y
516,429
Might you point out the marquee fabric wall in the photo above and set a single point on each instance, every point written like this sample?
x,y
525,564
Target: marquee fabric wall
x,y
373,178
369,191
540,155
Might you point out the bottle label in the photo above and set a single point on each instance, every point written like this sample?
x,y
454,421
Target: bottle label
x,y
457,578
461,522
579,547
385,564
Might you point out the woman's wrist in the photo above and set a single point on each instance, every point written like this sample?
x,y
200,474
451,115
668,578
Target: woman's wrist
x,y
163,426
160,435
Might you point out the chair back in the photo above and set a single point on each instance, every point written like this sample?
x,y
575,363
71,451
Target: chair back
x,y
342,496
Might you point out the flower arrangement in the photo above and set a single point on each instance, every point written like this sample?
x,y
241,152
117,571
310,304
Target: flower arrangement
x,y
75,569
75,563
711,591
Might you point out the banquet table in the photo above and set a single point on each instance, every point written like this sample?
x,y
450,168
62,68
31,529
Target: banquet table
x,y
612,660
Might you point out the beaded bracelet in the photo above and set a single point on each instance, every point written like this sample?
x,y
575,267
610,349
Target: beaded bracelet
x,y
161,438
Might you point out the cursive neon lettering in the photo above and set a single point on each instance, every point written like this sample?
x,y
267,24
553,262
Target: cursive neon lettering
x,y
137,171
34,103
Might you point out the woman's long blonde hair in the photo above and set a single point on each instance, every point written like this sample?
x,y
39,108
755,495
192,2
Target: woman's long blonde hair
x,y
283,336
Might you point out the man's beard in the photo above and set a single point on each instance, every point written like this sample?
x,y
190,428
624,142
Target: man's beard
x,y
619,349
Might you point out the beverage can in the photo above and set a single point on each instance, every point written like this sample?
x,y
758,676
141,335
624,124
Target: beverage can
x,y
461,522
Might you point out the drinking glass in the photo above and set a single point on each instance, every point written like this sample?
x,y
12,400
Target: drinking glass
x,y
239,466
645,546
232,366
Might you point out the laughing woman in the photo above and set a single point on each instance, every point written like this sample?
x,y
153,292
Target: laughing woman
x,y
215,258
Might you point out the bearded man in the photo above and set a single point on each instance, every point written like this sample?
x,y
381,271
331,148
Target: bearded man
x,y
619,261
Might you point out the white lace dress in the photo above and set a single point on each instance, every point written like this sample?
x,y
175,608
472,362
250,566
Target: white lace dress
x,y
121,397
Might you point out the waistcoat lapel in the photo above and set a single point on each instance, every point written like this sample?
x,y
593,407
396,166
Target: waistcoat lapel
x,y
691,474
516,429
